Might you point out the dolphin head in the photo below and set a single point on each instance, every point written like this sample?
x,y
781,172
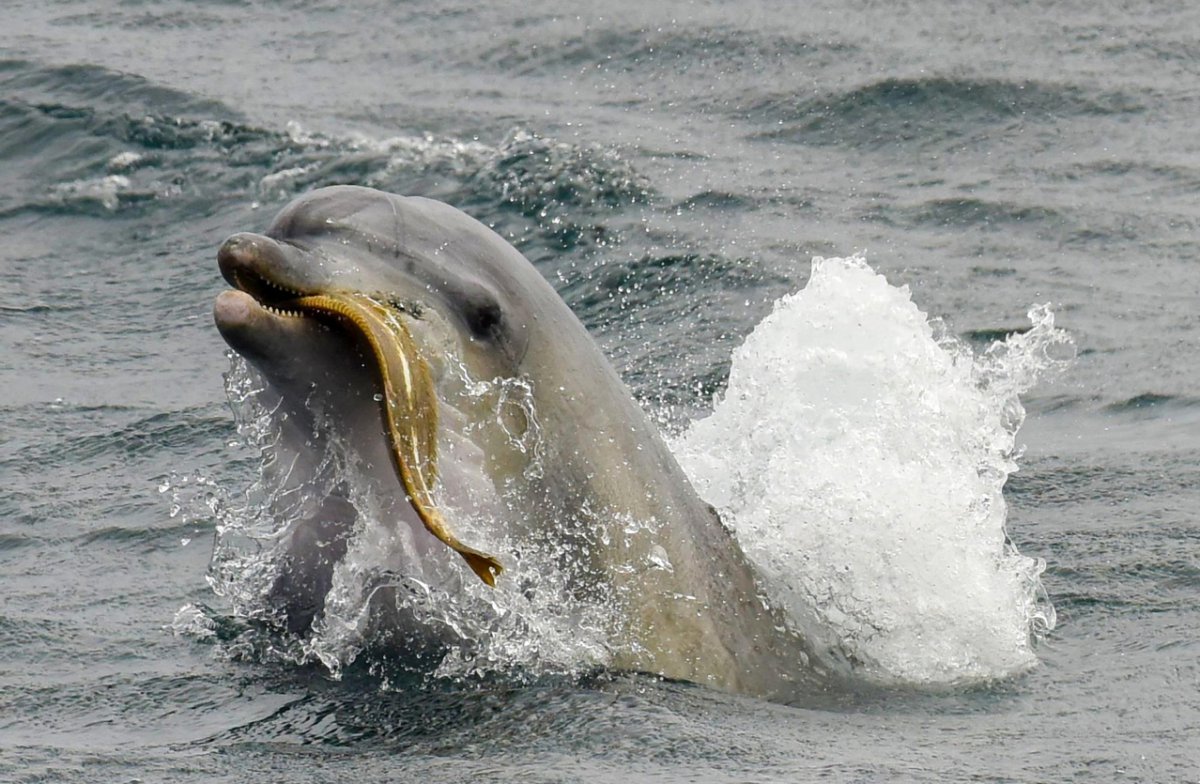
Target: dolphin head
x,y
371,300
436,268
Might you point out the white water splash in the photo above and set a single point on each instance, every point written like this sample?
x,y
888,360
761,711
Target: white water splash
x,y
540,175
861,460
105,191
528,625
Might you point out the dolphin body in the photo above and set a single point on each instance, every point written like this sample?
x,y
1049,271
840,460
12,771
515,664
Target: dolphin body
x,y
378,319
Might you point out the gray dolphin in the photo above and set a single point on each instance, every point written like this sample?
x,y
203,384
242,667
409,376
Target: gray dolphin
x,y
382,317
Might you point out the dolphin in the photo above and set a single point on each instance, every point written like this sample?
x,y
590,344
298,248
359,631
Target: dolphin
x,y
485,422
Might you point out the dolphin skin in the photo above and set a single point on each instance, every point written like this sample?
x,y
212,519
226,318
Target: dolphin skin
x,y
375,319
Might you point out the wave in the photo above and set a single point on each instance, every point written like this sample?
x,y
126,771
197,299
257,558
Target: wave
x,y
1152,400
929,110
970,212
1067,225
861,458
652,53
987,336
16,541
72,87
84,140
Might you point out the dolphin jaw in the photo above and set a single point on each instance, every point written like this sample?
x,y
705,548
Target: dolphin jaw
x,y
260,267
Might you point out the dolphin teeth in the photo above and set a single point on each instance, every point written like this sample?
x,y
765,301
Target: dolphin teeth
x,y
282,312
284,289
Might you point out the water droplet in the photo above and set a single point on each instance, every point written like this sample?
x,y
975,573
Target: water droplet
x,y
659,560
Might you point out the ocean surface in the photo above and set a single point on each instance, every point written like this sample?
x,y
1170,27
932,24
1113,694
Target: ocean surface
x,y
1007,201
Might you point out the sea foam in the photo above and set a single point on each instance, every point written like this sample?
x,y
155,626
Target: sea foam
x,y
860,458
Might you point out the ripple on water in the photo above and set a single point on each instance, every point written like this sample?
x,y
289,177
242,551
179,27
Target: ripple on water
x,y
87,141
928,111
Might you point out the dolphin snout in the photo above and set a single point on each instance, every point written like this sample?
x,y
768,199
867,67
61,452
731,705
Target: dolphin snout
x,y
247,255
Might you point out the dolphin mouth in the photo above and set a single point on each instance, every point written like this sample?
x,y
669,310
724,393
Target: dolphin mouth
x,y
256,266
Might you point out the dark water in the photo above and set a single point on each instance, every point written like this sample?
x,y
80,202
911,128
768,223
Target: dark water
x,y
671,168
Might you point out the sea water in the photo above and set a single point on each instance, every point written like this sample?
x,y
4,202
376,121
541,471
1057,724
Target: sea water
x,y
672,169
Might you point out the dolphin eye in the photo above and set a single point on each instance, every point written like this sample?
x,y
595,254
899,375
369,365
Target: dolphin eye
x,y
483,316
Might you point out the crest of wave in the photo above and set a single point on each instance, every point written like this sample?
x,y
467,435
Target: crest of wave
x,y
540,176
860,459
